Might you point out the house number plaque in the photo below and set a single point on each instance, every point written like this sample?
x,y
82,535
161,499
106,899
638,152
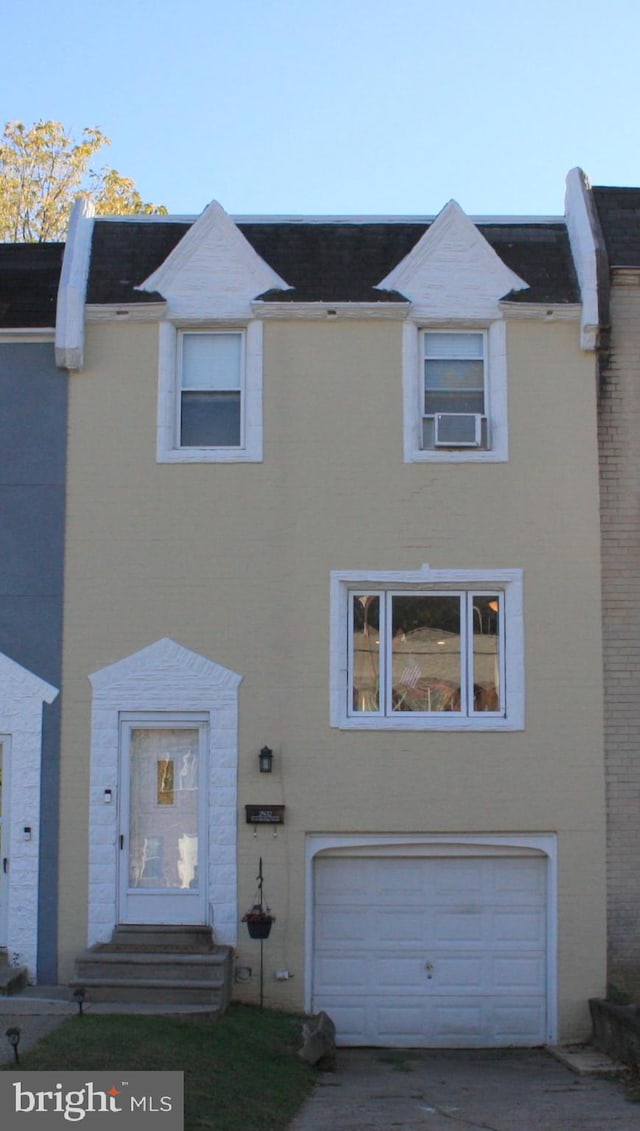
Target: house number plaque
x,y
265,814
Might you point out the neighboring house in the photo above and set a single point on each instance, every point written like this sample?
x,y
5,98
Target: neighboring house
x,y
615,214
33,412
333,489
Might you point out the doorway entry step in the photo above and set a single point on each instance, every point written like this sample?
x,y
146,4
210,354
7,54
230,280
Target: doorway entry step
x,y
12,978
157,964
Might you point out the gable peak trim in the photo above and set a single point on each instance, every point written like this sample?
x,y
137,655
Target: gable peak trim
x,y
20,683
164,655
451,224
214,217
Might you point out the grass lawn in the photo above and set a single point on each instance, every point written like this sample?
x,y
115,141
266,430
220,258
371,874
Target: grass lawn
x,y
240,1073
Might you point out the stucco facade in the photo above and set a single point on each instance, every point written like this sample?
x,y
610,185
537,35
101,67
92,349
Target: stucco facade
x,y
234,562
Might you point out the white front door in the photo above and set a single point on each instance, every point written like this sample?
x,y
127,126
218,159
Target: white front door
x,y
439,952
4,840
162,838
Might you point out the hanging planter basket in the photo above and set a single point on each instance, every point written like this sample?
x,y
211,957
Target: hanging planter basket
x,y
259,921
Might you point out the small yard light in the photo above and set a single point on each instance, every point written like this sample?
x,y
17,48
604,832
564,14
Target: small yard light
x,y
79,996
13,1037
265,760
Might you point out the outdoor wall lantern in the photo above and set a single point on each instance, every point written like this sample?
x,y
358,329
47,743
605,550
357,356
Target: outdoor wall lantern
x,y
265,760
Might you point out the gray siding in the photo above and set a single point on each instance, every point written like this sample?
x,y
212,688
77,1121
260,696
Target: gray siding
x,y
33,411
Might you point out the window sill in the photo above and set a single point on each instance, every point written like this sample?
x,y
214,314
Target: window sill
x,y
457,455
493,723
208,455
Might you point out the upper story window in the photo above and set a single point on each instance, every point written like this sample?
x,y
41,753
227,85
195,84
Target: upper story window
x,y
210,394
432,649
212,384
455,394
454,366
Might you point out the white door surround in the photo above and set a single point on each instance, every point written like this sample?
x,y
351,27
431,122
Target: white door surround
x,y
534,852
164,679
22,695
5,826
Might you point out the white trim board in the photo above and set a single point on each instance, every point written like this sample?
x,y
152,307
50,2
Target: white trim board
x,y
22,695
72,288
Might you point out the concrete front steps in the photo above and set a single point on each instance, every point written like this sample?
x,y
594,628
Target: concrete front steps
x,y
12,978
158,966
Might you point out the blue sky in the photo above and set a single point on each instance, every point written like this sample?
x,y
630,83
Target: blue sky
x,y
337,106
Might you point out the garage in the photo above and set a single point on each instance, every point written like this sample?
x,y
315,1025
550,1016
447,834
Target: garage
x,y
442,951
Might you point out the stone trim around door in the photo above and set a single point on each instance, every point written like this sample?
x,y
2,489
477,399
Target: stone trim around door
x,y
22,695
169,678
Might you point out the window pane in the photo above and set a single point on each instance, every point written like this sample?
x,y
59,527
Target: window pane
x,y
365,660
453,402
163,829
453,345
486,653
453,375
210,420
211,361
426,653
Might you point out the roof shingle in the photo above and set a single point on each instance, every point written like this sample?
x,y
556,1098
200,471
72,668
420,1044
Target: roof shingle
x,y
328,262
29,275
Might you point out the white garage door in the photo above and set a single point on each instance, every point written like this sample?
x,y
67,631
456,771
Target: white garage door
x,y
440,952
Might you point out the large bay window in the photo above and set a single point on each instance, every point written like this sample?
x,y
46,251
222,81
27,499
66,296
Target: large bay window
x,y
430,649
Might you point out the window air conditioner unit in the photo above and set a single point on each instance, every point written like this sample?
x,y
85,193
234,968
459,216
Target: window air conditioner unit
x,y
458,430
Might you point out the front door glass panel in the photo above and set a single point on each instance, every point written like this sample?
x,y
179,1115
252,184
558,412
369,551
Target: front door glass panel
x,y
164,791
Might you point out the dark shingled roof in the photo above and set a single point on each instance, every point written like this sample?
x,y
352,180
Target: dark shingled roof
x,y
328,262
29,274
619,213
124,254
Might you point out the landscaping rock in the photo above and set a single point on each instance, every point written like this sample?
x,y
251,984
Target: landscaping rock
x,y
319,1042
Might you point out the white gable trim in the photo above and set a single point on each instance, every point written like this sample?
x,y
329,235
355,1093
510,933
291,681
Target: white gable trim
x,y
164,677
583,248
21,697
73,287
213,271
453,272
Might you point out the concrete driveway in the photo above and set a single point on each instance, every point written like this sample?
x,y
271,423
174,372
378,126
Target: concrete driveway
x,y
488,1090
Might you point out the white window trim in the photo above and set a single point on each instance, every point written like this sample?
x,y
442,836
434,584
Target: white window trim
x,y
169,392
495,395
509,581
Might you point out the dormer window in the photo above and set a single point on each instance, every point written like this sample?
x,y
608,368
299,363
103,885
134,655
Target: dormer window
x,y
210,393
455,393
211,367
453,410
